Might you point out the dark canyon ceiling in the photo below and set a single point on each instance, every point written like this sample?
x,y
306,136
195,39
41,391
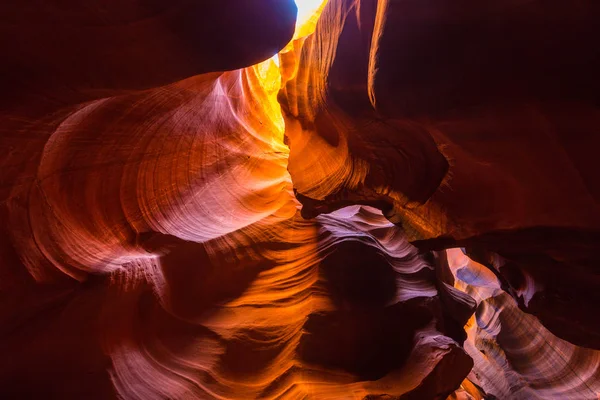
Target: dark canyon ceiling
x,y
253,199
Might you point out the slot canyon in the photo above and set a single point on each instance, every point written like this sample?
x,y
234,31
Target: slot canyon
x,y
319,199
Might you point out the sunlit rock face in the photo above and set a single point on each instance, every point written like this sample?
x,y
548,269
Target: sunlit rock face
x,y
471,125
222,201
515,356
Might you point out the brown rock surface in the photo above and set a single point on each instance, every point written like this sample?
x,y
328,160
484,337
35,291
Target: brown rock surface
x,y
181,219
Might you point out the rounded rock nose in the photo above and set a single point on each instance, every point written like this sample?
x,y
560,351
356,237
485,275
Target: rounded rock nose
x,y
253,30
135,44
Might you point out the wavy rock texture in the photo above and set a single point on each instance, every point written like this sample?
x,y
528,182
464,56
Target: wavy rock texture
x,y
438,113
515,356
184,218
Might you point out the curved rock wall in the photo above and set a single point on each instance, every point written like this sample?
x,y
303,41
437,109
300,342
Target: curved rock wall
x,y
184,217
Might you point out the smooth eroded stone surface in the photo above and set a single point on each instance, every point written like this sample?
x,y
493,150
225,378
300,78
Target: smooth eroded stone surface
x,y
67,50
470,125
184,217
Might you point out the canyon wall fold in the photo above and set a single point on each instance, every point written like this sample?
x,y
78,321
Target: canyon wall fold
x,y
379,199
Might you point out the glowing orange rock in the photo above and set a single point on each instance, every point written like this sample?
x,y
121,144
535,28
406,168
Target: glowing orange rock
x,y
158,239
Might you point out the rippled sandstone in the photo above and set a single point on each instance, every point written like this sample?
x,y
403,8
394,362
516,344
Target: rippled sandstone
x,y
185,217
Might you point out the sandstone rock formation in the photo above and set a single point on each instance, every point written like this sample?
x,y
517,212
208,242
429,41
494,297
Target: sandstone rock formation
x,y
470,124
379,199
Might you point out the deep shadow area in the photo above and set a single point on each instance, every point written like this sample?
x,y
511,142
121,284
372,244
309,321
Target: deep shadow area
x,y
366,336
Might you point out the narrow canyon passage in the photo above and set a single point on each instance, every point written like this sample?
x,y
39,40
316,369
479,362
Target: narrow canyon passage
x,y
269,199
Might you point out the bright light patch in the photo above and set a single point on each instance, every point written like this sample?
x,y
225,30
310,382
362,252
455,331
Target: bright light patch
x,y
308,13
306,9
268,72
